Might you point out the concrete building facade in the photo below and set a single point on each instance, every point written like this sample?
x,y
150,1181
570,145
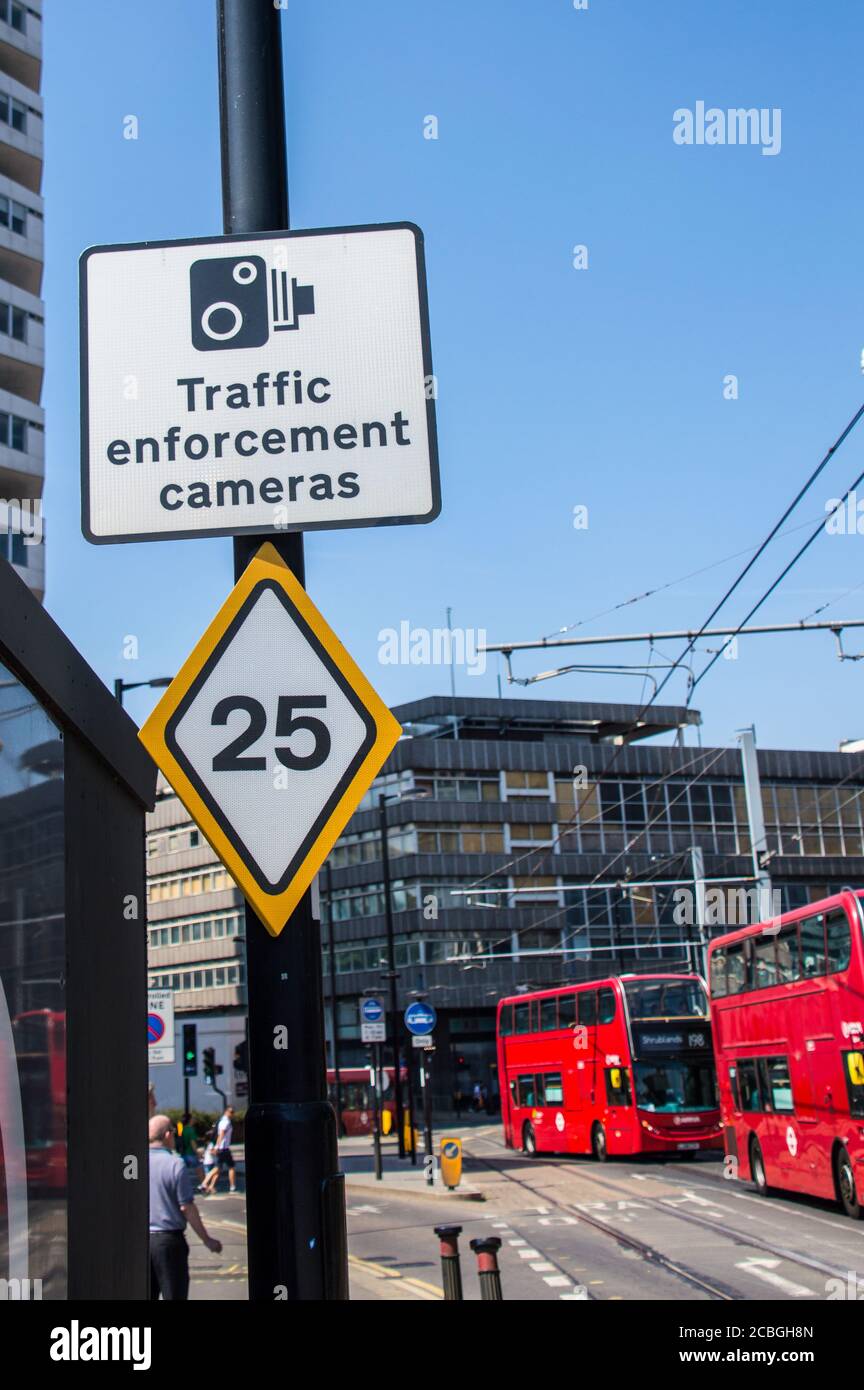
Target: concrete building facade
x,y
22,316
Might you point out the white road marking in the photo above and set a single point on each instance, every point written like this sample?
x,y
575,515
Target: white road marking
x,y
764,1269
516,1240
580,1296
528,1254
355,1211
557,1281
542,1266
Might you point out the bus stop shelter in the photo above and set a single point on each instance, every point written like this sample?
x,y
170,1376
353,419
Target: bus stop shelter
x,y
74,787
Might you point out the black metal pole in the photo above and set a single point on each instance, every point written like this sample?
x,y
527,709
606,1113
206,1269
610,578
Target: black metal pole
x,y
376,1107
426,1076
412,1118
486,1249
334,1007
451,1273
391,973
295,1195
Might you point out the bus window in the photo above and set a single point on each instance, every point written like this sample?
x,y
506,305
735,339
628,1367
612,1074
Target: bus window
x,y
748,1086
733,1083
787,955
588,1007
521,1018
718,974
617,1086
813,946
548,1014
838,941
505,1025
606,1006
853,1066
554,1089
566,1010
527,1090
764,963
735,968
776,1086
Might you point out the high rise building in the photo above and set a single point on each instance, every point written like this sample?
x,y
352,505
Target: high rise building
x,y
22,319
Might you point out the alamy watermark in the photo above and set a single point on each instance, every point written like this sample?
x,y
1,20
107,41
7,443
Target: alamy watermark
x,y
736,126
437,646
22,517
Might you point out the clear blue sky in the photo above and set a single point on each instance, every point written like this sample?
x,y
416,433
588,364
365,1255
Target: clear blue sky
x,y
557,387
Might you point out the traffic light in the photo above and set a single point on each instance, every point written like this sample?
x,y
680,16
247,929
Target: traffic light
x,y
241,1057
208,1057
190,1049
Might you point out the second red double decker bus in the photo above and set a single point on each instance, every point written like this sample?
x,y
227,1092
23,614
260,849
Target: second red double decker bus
x,y
787,1003
618,1066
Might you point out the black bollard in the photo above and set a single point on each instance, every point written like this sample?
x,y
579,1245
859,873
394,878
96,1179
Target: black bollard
x,y
486,1251
451,1274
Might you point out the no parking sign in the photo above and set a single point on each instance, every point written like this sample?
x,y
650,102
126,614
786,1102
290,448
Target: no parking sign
x,y
160,1026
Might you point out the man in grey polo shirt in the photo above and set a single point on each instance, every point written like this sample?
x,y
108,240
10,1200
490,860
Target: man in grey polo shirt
x,y
172,1204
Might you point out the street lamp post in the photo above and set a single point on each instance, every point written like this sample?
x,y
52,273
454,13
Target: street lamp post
x,y
121,686
391,975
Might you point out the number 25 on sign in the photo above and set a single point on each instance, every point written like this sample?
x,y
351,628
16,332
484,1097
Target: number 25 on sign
x,y
270,735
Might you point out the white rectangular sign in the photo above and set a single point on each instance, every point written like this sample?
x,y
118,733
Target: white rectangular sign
x,y
266,383
424,1040
373,1032
160,1026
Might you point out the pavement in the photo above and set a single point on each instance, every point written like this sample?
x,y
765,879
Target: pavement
x,y
400,1176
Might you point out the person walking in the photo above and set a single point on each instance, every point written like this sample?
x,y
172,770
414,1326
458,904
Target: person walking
x,y
222,1153
172,1205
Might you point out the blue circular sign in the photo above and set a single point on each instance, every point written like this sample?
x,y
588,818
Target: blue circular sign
x,y
451,1150
420,1019
155,1027
371,1010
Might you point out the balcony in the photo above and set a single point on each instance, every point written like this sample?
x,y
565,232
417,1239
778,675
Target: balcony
x,y
22,343
21,49
21,134
21,236
22,470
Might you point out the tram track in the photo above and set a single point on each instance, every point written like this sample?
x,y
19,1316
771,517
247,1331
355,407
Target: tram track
x,y
713,1287
716,1288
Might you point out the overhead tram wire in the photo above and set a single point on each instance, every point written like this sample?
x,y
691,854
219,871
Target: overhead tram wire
x,y
777,582
670,584
841,438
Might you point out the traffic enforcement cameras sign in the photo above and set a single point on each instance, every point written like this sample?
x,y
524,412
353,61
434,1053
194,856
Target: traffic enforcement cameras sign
x,y
270,735
276,382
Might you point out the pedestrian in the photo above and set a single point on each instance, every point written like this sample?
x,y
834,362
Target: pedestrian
x,y
187,1148
222,1153
478,1098
208,1161
458,1101
172,1204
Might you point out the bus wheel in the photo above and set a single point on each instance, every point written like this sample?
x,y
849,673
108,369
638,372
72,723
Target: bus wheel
x,y
529,1141
598,1144
757,1168
845,1177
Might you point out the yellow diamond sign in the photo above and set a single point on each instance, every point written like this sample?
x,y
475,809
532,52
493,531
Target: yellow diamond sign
x,y
270,735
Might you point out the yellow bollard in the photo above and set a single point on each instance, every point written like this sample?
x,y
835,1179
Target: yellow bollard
x,y
386,1121
451,1162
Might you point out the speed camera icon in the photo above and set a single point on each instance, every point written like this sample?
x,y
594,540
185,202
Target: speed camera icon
x,y
235,304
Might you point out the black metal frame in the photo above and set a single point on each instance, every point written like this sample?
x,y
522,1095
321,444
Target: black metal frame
x,y
109,783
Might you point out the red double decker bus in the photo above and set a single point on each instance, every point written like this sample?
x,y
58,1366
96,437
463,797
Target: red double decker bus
x,y
357,1102
787,1005
617,1066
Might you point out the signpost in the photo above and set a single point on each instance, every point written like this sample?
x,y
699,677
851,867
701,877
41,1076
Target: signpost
x,y
420,1019
160,1027
259,385
372,1026
270,735
280,381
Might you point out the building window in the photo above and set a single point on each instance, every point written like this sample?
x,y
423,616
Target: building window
x,y
13,431
13,322
14,15
13,113
13,215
